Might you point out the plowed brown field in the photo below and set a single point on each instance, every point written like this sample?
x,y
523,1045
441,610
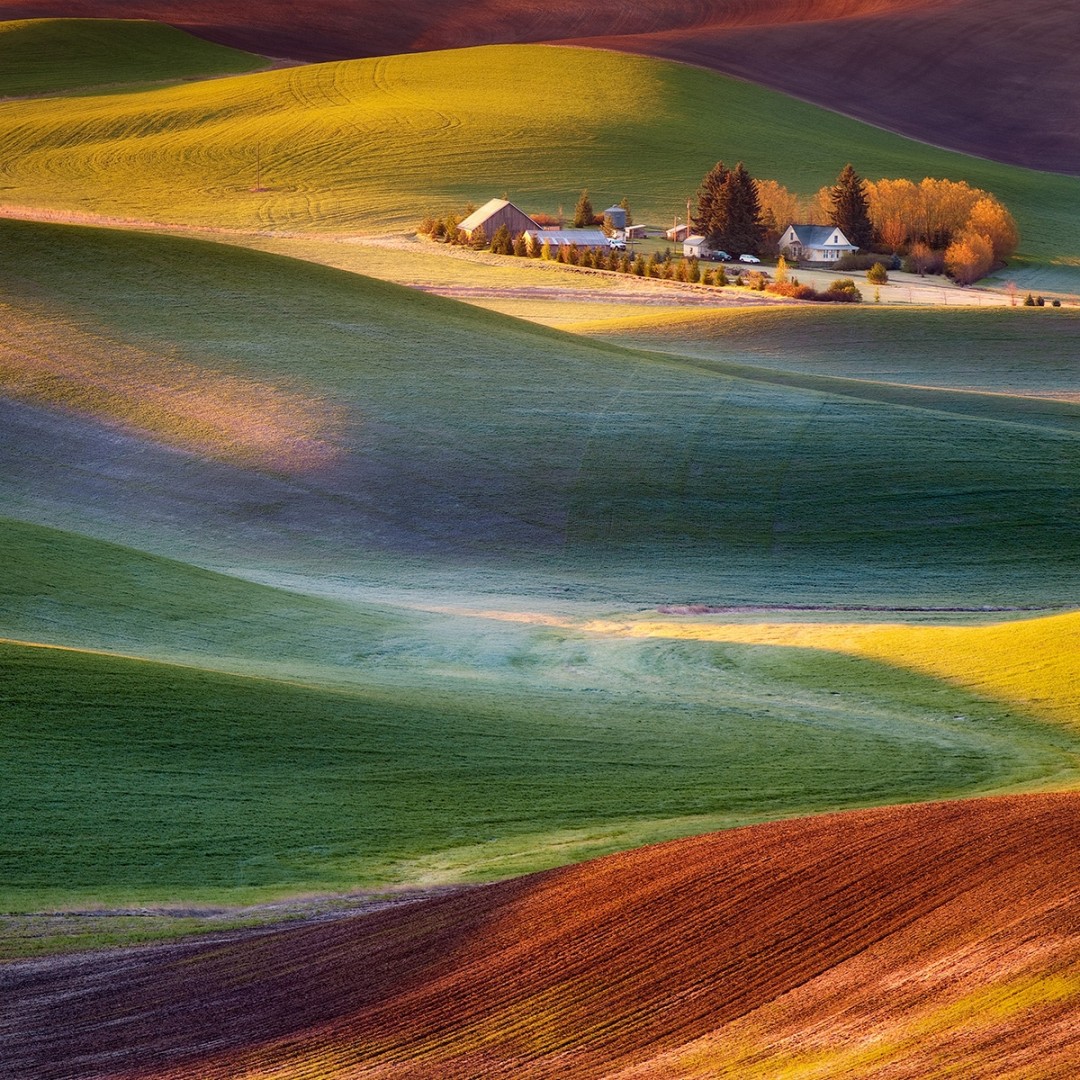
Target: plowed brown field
x,y
922,941
991,77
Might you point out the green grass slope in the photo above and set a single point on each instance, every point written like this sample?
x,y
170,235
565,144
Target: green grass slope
x,y
1020,351
372,144
463,438
127,780
41,56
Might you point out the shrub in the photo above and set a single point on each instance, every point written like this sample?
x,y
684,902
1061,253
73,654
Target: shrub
x,y
1029,300
842,291
793,289
877,274
857,262
1055,303
1040,301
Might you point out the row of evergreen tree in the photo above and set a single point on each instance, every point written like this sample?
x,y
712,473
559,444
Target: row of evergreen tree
x,y
729,211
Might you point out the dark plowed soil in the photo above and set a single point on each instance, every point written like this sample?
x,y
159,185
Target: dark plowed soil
x,y
881,921
990,77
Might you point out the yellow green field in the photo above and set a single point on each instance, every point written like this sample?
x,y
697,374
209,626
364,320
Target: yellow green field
x,y
372,145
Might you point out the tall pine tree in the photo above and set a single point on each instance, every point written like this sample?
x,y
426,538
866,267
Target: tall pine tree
x,y
711,216
729,213
744,232
850,210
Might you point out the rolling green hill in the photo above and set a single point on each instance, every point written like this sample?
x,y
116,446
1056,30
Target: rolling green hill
x,y
133,781
998,350
351,427
373,144
41,56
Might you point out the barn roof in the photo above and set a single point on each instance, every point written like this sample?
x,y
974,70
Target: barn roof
x,y
488,210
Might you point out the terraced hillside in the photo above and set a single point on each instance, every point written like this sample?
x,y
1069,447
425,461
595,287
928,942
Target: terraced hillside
x,y
371,145
907,942
898,65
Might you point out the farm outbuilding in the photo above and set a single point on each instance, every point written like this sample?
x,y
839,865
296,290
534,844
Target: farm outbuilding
x,y
694,247
492,215
815,243
616,215
579,238
678,233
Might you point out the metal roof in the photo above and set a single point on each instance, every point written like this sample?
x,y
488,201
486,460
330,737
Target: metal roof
x,y
489,209
816,236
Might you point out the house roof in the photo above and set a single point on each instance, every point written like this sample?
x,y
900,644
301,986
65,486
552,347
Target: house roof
x,y
816,236
489,209
697,241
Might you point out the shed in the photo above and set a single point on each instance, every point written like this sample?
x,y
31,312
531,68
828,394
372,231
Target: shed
x,y
634,232
677,233
494,213
694,247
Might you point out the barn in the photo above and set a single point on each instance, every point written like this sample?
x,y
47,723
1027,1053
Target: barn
x,y
494,213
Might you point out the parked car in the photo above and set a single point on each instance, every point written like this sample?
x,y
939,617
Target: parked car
x,y
749,259
718,256
617,245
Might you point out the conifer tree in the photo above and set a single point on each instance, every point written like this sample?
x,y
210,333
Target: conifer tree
x,y
624,202
729,211
583,212
850,210
501,244
711,213
743,232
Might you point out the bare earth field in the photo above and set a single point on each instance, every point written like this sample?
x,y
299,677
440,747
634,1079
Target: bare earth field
x,y
923,941
988,77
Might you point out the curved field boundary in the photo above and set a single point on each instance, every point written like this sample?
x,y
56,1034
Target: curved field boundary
x,y
904,941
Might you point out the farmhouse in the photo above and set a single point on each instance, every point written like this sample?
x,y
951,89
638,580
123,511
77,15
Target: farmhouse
x,y
580,238
494,213
815,243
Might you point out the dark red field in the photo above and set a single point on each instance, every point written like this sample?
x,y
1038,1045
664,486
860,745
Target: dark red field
x,y
941,939
991,77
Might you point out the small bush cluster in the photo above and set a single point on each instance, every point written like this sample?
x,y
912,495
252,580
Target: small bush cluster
x,y
841,291
866,262
1039,301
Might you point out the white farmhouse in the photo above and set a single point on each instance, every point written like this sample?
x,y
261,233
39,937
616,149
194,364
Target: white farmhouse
x,y
815,244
